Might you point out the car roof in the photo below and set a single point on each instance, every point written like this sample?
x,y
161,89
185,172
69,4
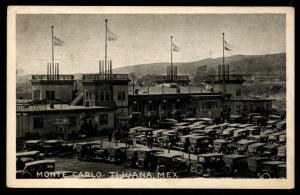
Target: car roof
x,y
282,165
282,147
211,155
256,158
40,162
234,125
221,141
245,125
270,146
245,141
149,149
89,143
33,141
53,141
115,147
255,145
273,162
240,130
168,155
30,153
234,156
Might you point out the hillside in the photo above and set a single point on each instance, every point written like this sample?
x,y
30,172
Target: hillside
x,y
238,64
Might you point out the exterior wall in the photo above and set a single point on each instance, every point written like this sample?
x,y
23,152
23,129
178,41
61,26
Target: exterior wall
x,y
116,89
248,106
229,89
63,92
202,109
25,123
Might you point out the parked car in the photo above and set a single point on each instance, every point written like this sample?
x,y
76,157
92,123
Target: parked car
x,y
228,132
24,157
258,138
270,169
210,164
206,132
259,120
168,138
234,125
33,145
89,151
254,130
236,119
256,149
271,150
58,148
271,124
167,123
182,130
251,115
280,126
281,171
235,165
222,146
242,146
281,152
200,144
240,134
157,134
255,165
146,158
172,163
131,156
34,168
116,154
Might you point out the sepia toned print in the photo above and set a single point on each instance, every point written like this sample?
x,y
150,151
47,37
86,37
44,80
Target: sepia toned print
x,y
171,98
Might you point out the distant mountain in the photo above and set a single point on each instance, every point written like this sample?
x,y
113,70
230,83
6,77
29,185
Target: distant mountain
x,y
238,64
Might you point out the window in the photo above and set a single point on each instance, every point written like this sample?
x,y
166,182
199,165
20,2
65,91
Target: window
x,y
107,96
104,119
50,94
102,95
238,92
238,108
72,120
123,95
38,123
36,94
119,95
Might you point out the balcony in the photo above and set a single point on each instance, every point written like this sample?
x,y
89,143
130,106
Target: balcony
x,y
105,77
52,77
233,78
175,78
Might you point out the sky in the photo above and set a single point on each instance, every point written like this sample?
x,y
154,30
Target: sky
x,y
141,38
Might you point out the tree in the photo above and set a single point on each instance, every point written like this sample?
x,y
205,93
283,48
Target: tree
x,y
132,76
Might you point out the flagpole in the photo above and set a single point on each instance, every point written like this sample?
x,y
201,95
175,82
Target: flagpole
x,y
105,42
52,28
223,68
223,48
171,58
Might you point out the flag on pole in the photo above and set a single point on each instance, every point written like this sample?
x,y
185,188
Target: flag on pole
x,y
175,48
57,41
227,46
111,36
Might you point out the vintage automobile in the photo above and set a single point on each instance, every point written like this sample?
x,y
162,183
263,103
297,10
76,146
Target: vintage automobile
x,y
259,120
168,138
167,123
243,126
255,165
228,132
90,151
116,154
281,125
35,168
270,169
282,139
136,130
58,148
240,134
235,119
251,115
274,137
210,164
206,132
174,163
157,134
222,146
131,156
140,139
182,130
281,171
271,124
271,150
32,145
281,152
242,146
274,117
197,127
234,125
199,144
256,149
146,158
254,130
259,138
25,157
207,121
235,165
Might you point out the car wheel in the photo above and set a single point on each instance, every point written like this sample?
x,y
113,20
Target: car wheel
x,y
161,169
200,169
140,164
128,161
227,169
265,176
192,149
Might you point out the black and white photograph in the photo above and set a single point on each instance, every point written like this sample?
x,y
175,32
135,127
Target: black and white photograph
x,y
178,97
